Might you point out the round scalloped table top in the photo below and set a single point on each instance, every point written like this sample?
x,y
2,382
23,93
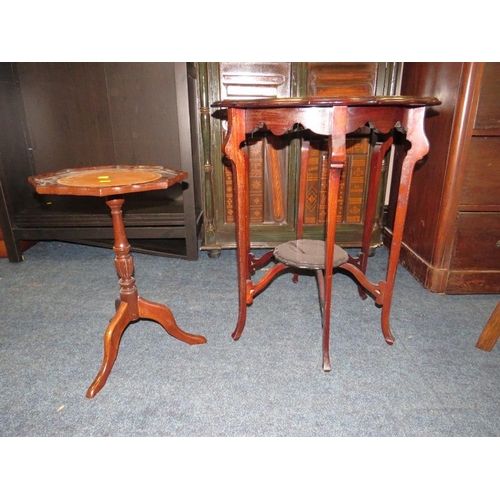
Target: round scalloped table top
x,y
107,180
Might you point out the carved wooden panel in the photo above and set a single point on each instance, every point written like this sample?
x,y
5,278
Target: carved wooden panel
x,y
268,171
274,161
345,79
241,80
267,156
353,183
342,79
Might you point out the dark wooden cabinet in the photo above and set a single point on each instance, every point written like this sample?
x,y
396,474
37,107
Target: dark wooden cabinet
x,y
274,161
451,242
67,115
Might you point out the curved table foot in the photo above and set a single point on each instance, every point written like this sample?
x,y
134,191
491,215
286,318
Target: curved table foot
x,y
237,332
163,315
112,339
242,317
386,329
327,366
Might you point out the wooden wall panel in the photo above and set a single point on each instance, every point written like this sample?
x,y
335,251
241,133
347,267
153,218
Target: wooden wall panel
x,y
142,102
483,162
488,111
68,114
451,241
426,196
477,241
15,164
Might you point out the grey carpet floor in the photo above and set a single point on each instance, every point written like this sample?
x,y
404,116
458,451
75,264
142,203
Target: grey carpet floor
x,y
56,304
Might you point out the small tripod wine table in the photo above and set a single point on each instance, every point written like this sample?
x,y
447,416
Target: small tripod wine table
x,y
112,182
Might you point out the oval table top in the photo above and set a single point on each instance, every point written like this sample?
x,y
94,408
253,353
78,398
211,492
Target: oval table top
x,y
311,102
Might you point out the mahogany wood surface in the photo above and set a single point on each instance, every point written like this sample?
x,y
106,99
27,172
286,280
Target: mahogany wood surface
x,y
113,181
333,118
451,241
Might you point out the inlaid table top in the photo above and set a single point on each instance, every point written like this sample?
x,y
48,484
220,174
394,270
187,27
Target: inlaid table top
x,y
107,180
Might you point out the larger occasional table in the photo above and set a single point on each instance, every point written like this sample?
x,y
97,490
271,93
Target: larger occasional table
x,y
332,118
113,182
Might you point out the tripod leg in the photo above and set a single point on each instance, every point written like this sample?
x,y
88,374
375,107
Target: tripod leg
x,y
163,315
112,339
